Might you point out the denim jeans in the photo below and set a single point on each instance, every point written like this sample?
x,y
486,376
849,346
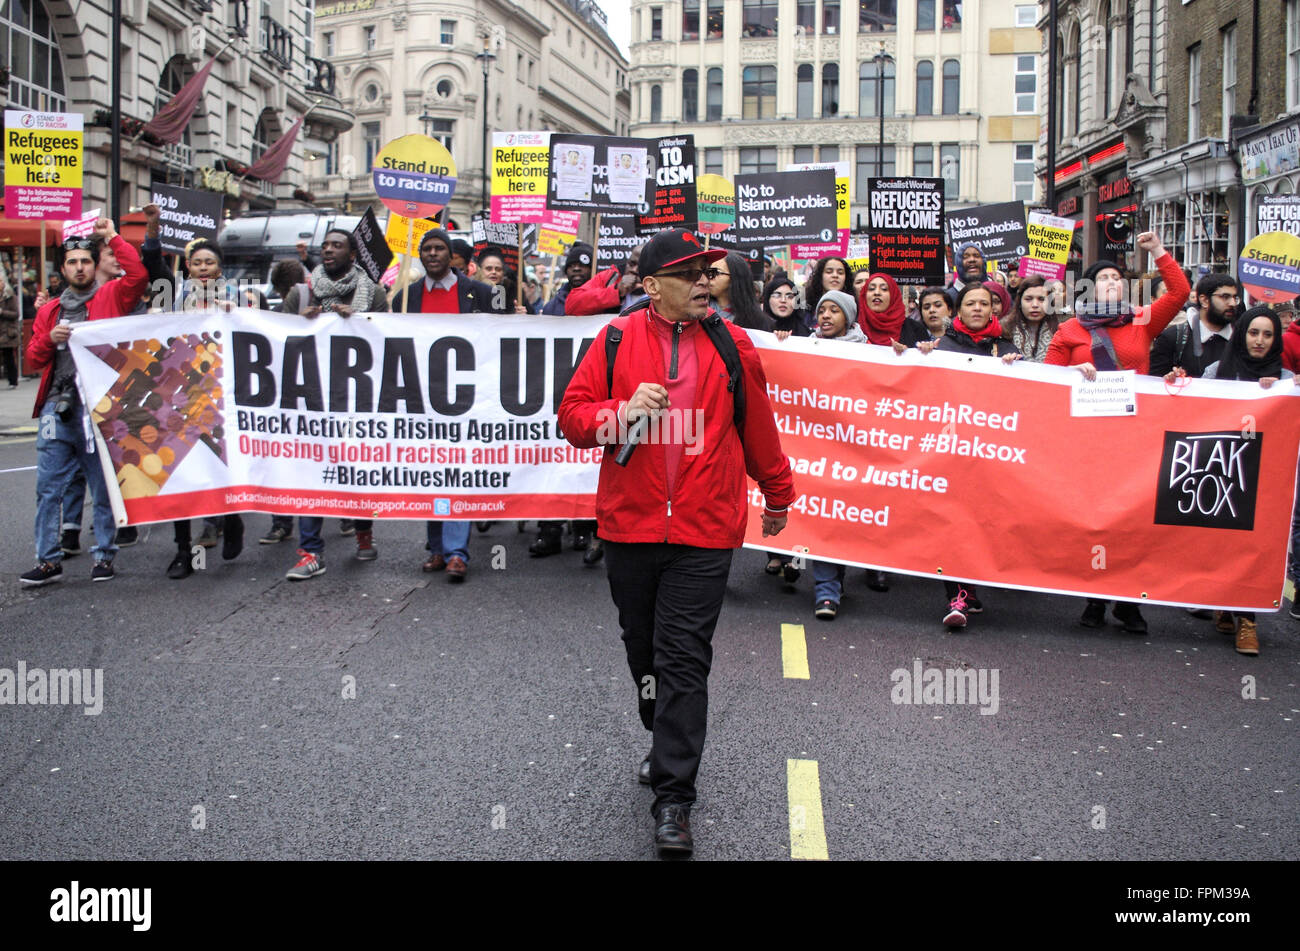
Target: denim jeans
x,y
60,455
448,539
309,532
828,581
74,500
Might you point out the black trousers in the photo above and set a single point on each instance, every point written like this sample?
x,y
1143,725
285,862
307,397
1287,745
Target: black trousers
x,y
9,360
669,598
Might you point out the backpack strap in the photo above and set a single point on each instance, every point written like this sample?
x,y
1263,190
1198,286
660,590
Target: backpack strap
x,y
725,344
613,337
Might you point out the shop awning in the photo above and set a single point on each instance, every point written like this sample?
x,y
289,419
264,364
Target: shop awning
x,y
26,233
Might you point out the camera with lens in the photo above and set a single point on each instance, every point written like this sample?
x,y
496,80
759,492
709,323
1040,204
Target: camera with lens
x,y
64,394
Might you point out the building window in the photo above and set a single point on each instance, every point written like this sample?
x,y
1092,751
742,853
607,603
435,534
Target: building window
x,y
758,92
1026,14
332,158
373,139
925,88
950,170
447,32
871,89
690,19
951,87
370,93
759,18
690,95
872,162
877,16
263,133
1229,76
753,161
803,154
830,90
34,60
804,91
952,14
656,103
1292,53
923,161
327,44
1026,84
925,14
1194,93
713,96
1022,175
830,153
1076,84
442,131
830,16
370,37
443,88
656,23
805,18
711,159
714,11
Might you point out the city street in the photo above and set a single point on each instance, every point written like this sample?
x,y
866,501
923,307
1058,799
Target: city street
x,y
377,712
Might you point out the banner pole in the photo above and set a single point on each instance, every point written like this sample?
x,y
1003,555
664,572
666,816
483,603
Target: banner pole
x,y
550,278
406,258
519,277
595,245
41,282
706,241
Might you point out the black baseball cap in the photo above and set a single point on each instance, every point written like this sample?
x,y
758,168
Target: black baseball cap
x,y
673,247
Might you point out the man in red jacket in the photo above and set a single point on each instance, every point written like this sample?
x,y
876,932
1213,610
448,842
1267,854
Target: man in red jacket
x,y
673,516
64,442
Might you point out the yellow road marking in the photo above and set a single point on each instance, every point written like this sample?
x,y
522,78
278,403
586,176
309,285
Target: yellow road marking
x,y
804,789
1288,590
794,652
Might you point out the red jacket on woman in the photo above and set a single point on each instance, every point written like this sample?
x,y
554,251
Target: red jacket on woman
x,y
113,299
709,506
1072,343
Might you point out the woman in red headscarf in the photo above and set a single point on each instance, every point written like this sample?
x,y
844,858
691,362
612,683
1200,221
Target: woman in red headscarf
x,y
882,315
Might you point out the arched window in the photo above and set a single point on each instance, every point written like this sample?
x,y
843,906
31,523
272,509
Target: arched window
x,y
264,133
830,90
1063,93
925,88
873,87
35,63
951,87
713,96
1076,84
691,90
656,103
758,92
804,91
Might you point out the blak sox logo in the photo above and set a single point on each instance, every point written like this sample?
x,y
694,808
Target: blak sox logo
x,y
1209,480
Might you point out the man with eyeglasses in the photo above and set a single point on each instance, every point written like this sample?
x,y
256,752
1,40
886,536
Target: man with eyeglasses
x,y
673,515
1203,339
65,439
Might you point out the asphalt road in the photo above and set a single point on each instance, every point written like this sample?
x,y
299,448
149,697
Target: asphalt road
x,y
496,719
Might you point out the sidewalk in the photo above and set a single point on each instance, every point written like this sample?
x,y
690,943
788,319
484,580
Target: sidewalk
x,y
16,407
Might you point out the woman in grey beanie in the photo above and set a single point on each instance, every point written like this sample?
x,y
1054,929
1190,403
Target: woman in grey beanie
x,y
837,318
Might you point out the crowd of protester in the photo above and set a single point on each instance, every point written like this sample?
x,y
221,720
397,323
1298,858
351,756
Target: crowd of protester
x,y
984,310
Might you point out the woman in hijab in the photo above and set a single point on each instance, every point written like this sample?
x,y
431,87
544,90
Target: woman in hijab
x,y
1254,354
781,306
883,315
1001,299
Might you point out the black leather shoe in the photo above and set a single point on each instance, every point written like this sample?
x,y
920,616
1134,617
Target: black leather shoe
x,y
581,541
643,771
877,581
1130,617
545,545
1094,615
673,832
594,553
181,567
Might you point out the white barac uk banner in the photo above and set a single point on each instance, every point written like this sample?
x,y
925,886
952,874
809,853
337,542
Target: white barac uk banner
x,y
369,416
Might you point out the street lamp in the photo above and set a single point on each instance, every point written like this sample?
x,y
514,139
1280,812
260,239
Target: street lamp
x,y
427,121
486,57
880,59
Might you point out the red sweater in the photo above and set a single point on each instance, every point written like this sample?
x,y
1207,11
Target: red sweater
x,y
1291,348
1072,344
598,296
119,296
707,506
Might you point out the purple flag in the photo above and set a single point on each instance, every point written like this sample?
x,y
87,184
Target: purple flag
x,y
271,165
170,122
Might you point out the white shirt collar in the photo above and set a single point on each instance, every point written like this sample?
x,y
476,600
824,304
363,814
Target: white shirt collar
x,y
1206,333
447,283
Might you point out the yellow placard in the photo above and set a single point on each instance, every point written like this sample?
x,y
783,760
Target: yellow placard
x,y
399,226
43,164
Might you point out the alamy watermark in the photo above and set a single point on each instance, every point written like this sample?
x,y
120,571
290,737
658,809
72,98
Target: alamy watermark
x,y
669,427
35,686
946,686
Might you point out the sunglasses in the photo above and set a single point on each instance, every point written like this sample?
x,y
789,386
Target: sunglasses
x,y
692,274
78,244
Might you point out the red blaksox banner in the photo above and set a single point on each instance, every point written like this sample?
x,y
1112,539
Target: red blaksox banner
x,y
965,468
